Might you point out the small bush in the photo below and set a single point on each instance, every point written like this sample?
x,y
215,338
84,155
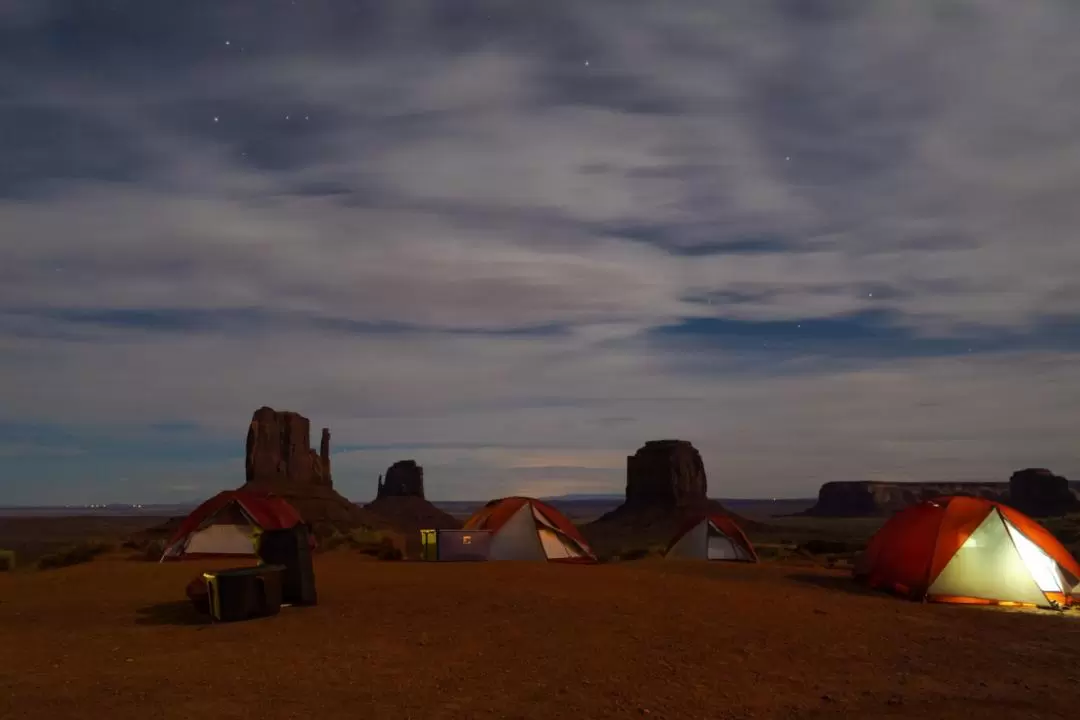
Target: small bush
x,y
366,541
154,550
74,555
330,542
387,550
7,560
767,553
830,547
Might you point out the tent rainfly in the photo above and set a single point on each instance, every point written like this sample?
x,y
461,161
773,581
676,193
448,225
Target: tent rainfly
x,y
528,529
969,550
229,525
711,536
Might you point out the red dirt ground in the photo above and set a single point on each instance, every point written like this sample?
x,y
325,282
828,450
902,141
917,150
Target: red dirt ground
x,y
398,641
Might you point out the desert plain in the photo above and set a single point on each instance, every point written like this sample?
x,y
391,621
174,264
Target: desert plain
x,y
116,638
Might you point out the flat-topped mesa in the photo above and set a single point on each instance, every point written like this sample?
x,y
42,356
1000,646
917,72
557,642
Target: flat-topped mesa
x,y
403,479
278,451
1040,493
1034,491
861,498
665,474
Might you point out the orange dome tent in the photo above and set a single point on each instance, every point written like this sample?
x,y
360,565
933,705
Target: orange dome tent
x,y
526,529
969,550
711,536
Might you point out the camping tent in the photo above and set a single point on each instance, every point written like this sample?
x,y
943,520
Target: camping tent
x,y
969,550
527,529
228,525
711,536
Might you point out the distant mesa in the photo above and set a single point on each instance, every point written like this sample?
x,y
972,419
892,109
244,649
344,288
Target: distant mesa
x,y
1036,492
666,473
665,485
399,500
403,479
1040,493
868,498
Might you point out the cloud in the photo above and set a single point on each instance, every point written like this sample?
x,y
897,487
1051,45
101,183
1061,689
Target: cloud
x,y
429,227
9,450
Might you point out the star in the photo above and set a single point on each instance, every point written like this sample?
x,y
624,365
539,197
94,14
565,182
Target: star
x,y
870,295
286,117
306,117
228,43
215,118
586,63
788,157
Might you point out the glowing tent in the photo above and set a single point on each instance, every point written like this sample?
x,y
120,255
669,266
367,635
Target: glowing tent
x,y
969,550
527,529
229,524
711,536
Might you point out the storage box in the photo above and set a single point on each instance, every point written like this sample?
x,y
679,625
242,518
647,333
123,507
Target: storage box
x,y
244,593
455,545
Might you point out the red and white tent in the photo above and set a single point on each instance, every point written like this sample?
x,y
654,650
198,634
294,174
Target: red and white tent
x,y
527,529
229,524
711,536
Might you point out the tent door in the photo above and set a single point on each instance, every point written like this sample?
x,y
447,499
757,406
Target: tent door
x,y
721,548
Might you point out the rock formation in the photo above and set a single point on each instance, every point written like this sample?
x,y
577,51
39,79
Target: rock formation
x,y
1037,492
665,484
1040,493
665,473
279,451
403,479
867,499
399,500
279,459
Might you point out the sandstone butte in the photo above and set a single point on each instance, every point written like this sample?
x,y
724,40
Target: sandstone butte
x,y
665,485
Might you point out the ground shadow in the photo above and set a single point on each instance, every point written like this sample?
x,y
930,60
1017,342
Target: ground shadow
x,y
844,583
179,612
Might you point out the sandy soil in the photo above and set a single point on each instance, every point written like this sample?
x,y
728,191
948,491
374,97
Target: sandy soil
x,y
393,641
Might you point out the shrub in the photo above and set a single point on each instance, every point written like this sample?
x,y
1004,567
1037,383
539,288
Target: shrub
x,y
387,550
332,541
154,549
767,553
7,560
830,547
73,555
365,540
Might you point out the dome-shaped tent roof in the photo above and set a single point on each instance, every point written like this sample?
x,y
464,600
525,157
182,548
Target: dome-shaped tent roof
x,y
226,525
969,550
711,536
527,529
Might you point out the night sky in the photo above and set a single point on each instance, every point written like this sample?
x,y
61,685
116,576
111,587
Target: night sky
x,y
515,240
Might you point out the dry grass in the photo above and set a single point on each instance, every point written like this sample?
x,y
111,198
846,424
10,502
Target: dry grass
x,y
376,543
434,641
73,555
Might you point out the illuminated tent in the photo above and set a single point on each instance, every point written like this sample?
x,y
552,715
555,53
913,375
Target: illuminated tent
x,y
711,536
969,550
229,524
527,529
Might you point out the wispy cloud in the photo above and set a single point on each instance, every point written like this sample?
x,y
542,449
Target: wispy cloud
x,y
820,243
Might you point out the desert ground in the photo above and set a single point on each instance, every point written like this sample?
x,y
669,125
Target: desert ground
x,y
115,638
32,537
